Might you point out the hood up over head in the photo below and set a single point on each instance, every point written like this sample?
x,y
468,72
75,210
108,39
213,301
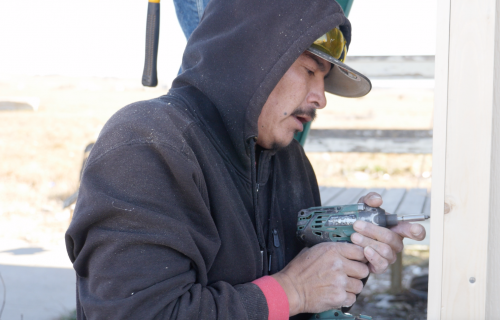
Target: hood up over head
x,y
242,48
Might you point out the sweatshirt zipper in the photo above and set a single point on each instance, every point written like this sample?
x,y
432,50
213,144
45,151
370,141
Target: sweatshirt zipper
x,y
258,227
276,238
278,251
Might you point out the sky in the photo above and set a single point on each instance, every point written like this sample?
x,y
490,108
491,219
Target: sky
x,y
107,38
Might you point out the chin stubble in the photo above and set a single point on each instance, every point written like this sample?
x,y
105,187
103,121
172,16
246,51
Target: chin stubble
x,y
296,113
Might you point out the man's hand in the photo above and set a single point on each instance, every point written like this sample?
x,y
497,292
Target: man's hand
x,y
324,277
381,244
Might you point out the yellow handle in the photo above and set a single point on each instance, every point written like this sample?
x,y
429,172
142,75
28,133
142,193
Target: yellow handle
x,y
154,1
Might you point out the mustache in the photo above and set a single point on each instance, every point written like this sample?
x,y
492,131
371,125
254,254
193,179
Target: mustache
x,y
310,112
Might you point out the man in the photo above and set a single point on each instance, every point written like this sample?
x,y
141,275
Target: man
x,y
188,202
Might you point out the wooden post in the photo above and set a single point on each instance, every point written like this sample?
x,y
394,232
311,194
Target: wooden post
x,y
465,225
397,274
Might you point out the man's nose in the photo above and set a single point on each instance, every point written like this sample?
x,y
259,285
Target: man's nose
x,y
317,94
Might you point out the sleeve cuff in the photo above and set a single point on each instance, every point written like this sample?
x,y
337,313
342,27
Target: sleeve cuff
x,y
277,301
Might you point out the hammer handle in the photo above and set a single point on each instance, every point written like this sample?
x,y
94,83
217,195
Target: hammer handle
x,y
149,75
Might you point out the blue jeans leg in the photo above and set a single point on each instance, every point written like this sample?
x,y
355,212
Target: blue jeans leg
x,y
189,13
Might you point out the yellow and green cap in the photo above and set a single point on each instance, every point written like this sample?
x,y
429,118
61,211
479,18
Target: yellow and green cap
x,y
342,79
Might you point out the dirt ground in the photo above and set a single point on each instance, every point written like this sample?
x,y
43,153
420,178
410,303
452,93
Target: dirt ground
x,y
41,151
377,301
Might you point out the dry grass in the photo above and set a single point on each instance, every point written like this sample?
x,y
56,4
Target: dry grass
x,y
370,170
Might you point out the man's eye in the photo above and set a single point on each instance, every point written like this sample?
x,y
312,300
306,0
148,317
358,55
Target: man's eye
x,y
310,72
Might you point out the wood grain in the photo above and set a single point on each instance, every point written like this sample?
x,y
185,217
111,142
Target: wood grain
x,y
439,159
493,276
464,163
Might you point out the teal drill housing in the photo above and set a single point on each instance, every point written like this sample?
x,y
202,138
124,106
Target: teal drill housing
x,y
335,224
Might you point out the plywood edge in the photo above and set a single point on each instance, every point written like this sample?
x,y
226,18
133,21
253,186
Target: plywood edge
x,y
493,265
439,160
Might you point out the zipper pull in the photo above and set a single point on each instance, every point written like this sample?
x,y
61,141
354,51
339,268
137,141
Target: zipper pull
x,y
261,261
276,238
257,187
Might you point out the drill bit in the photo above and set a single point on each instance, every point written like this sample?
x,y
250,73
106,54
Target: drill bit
x,y
415,217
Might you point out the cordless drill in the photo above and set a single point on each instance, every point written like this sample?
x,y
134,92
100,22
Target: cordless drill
x,y
335,224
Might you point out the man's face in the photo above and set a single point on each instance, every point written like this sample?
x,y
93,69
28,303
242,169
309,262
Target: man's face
x,y
293,102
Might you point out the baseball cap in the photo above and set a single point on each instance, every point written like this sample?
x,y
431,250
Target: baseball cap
x,y
342,80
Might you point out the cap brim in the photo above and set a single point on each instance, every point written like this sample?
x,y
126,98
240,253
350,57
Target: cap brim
x,y
342,79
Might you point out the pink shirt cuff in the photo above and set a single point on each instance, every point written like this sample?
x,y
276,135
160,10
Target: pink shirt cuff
x,y
277,301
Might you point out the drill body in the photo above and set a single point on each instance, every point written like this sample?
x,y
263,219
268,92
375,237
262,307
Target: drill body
x,y
335,224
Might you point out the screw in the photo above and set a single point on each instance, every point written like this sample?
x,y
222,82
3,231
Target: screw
x,y
472,279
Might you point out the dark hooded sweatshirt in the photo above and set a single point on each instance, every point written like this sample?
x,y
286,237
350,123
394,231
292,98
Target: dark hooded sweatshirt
x,y
173,219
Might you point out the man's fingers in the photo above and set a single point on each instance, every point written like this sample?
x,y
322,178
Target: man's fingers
x,y
377,263
349,301
351,252
372,199
382,249
413,231
353,285
355,269
388,236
